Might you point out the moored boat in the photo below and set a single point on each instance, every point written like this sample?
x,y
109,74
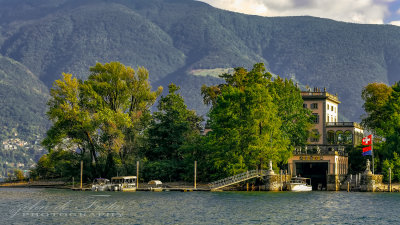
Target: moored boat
x,y
156,185
298,184
101,184
124,183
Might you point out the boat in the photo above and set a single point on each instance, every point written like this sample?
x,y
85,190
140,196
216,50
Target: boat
x,y
124,183
101,184
298,184
156,185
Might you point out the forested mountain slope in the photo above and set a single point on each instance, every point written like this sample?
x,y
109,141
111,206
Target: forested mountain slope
x,y
177,40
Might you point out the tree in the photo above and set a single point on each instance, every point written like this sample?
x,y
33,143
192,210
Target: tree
x,y
19,174
382,104
392,125
59,163
296,120
173,126
394,165
376,97
247,121
102,116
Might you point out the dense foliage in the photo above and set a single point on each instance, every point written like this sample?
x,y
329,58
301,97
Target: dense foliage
x,y
106,123
382,104
102,117
173,126
253,119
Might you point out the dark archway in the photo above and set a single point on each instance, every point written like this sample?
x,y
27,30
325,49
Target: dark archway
x,y
339,137
330,137
348,137
314,170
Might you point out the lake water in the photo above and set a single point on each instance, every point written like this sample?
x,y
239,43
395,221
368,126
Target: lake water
x,y
52,206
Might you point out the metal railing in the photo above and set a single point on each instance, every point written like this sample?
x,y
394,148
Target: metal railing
x,y
236,179
343,124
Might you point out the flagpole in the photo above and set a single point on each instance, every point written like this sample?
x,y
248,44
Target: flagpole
x,y
372,149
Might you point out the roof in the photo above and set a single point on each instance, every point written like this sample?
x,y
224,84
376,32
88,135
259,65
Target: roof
x,y
123,177
308,95
101,178
156,182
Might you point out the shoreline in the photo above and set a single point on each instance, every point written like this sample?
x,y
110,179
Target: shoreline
x,y
169,186
68,185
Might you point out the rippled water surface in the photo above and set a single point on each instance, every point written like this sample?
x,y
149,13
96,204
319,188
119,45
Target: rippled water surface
x,y
52,206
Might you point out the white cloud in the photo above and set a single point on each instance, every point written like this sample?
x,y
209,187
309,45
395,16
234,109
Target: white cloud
x,y
397,23
356,11
398,11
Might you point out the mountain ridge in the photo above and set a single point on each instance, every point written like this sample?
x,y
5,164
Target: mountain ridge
x,y
171,38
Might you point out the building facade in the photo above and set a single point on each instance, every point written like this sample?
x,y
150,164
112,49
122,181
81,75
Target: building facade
x,y
324,156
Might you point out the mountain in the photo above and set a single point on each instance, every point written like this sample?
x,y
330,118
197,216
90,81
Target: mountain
x,y
23,101
186,42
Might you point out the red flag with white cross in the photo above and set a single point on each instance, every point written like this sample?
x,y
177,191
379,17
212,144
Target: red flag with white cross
x,y
367,140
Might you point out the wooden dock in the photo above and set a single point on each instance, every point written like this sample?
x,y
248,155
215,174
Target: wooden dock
x,y
181,189
81,189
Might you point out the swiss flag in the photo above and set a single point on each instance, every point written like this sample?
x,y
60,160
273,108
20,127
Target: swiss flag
x,y
367,140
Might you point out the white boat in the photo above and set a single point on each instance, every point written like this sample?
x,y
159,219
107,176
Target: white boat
x,y
124,183
298,184
101,184
156,185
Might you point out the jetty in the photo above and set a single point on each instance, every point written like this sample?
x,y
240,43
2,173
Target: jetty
x,y
220,184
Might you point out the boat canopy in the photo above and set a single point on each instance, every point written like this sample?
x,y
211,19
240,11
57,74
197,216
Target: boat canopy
x,y
123,178
156,182
102,179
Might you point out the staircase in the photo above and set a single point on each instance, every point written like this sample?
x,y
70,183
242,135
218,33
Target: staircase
x,y
216,185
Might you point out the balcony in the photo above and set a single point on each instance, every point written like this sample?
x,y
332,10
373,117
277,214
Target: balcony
x,y
343,124
321,150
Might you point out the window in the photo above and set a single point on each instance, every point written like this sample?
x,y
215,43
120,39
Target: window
x,y
316,118
330,137
331,108
348,137
305,106
340,137
314,106
327,107
328,119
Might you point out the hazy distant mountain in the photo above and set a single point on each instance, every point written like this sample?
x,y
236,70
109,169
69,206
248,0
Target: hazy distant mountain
x,y
189,43
23,100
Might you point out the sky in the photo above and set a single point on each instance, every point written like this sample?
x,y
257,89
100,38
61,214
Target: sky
x,y
354,11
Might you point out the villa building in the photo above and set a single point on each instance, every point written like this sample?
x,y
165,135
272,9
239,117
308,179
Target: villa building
x,y
324,159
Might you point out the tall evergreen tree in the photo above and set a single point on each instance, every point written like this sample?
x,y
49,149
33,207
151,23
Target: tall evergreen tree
x,y
173,126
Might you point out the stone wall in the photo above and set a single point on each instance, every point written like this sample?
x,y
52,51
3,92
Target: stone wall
x,y
273,182
334,182
370,182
